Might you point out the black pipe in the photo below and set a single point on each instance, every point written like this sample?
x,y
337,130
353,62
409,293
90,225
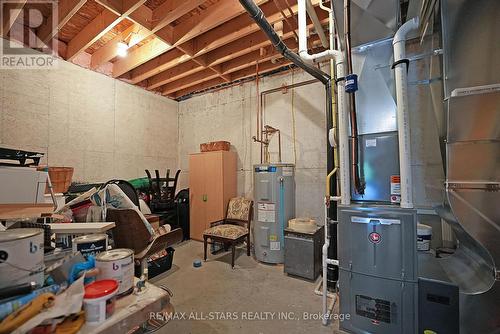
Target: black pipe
x,y
358,185
258,16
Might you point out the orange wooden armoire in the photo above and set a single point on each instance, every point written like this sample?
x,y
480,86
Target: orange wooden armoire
x,y
212,182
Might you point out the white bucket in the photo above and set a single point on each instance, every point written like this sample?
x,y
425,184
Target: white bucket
x,y
99,301
91,244
424,236
21,256
117,264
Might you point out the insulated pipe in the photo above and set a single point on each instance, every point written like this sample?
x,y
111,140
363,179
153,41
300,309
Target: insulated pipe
x,y
317,24
400,73
258,16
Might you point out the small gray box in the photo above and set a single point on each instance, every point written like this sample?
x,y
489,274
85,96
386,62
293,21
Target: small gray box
x,y
303,253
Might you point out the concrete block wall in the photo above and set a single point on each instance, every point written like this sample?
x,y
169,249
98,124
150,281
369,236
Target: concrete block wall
x,y
230,114
102,127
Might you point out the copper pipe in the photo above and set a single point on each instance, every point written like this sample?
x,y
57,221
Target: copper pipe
x,y
358,187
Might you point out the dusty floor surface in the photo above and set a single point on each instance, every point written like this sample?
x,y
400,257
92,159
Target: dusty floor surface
x,y
252,298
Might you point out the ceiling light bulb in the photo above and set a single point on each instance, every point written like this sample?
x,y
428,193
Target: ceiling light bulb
x,y
121,49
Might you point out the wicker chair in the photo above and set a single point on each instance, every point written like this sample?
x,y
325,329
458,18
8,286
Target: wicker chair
x,y
234,229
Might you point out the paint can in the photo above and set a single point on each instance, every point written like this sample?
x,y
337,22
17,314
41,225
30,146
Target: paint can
x,y
21,256
117,264
91,244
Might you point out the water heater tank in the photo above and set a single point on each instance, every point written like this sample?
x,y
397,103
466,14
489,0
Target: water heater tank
x,y
274,195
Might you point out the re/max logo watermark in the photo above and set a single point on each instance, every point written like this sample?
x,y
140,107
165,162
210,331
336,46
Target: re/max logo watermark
x,y
28,34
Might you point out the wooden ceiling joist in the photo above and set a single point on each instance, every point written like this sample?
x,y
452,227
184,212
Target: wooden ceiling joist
x,y
171,10
237,55
189,81
265,67
10,13
234,29
173,74
135,33
219,13
210,41
65,11
139,56
250,43
199,87
97,28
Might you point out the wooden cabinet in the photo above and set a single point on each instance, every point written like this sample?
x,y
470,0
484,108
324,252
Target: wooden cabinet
x,y
212,182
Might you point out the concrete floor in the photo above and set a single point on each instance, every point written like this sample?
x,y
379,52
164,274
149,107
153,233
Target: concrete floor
x,y
214,293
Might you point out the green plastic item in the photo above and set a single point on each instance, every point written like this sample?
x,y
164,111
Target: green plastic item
x,y
140,183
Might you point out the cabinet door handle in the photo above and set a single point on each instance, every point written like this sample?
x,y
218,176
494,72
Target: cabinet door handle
x,y
205,198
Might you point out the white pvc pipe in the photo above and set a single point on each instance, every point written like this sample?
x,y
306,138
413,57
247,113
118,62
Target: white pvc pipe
x,y
399,43
325,269
317,24
328,54
345,181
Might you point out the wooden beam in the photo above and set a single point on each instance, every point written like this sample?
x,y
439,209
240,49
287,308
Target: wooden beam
x,y
171,10
135,33
218,37
189,81
65,11
139,56
135,10
97,28
162,63
263,68
10,13
213,16
143,16
250,43
201,86
175,73
122,8
236,28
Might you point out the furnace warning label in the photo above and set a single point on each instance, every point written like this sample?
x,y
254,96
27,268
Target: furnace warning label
x,y
266,212
395,189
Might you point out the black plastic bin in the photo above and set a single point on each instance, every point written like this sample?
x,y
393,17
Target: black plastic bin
x,y
158,266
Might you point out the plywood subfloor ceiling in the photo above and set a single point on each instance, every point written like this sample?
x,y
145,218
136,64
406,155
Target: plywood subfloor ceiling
x,y
176,47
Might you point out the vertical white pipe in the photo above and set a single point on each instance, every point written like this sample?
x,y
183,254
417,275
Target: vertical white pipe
x,y
325,266
400,75
345,182
317,24
302,26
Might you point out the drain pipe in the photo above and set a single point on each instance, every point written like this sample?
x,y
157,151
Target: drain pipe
x,y
400,67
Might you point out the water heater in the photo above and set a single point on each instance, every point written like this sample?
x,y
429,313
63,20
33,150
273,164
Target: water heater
x,y
274,195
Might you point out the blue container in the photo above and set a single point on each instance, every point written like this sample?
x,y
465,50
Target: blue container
x,y
351,83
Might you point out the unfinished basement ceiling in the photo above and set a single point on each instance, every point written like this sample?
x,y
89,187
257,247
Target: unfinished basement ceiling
x,y
175,47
